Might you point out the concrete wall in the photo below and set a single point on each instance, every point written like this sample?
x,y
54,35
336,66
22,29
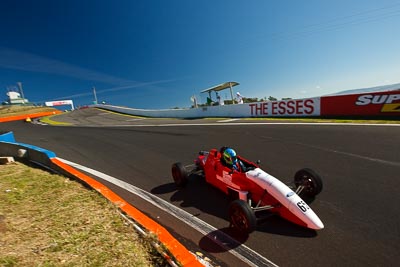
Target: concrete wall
x,y
289,108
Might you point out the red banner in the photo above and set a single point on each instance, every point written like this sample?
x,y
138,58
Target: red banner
x,y
368,104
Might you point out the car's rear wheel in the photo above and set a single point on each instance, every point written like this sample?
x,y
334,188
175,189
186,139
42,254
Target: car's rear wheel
x,y
242,217
180,174
309,180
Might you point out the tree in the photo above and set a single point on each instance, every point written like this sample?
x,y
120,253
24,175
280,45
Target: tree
x,y
250,100
271,98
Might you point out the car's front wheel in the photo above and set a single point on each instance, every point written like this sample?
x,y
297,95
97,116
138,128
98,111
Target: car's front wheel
x,y
242,217
308,181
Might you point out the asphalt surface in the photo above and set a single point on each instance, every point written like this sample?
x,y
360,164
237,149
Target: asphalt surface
x,y
360,167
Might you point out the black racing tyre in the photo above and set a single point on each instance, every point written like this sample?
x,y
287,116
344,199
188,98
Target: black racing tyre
x,y
242,217
311,181
180,174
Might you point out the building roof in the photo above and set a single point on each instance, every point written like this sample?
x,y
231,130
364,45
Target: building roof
x,y
220,87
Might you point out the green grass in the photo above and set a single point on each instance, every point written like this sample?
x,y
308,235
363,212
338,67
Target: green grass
x,y
319,120
49,220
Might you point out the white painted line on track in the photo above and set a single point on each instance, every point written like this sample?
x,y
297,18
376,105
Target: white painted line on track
x,y
228,120
329,150
239,250
135,119
243,124
386,162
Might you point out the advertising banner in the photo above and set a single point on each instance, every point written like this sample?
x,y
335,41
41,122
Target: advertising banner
x,y
59,103
286,108
368,104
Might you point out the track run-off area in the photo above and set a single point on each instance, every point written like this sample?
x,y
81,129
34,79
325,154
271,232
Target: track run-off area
x,y
359,165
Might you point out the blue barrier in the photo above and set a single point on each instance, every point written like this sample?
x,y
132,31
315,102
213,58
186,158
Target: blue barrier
x,y
8,138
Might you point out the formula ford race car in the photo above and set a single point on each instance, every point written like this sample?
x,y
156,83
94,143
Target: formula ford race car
x,y
255,194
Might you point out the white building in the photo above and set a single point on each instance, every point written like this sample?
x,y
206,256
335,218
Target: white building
x,y
15,98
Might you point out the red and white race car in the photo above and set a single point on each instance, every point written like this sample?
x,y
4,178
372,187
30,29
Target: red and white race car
x,y
254,192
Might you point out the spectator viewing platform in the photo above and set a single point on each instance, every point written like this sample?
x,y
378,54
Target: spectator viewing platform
x,y
218,88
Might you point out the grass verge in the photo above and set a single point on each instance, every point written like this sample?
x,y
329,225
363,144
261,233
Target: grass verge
x,y
8,111
49,220
324,120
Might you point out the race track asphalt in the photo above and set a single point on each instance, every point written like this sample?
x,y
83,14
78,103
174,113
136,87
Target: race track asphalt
x,y
360,167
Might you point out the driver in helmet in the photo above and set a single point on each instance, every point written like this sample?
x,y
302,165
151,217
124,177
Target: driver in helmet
x,y
229,159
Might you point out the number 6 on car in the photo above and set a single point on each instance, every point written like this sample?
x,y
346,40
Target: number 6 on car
x,y
255,193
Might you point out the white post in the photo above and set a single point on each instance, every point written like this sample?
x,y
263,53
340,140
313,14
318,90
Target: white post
x,y
230,86
21,91
95,96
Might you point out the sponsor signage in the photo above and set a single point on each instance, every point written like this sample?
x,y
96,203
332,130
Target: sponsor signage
x,y
295,108
380,103
59,103
389,103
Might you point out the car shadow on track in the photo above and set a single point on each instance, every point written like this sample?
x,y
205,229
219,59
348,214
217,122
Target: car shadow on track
x,y
202,196
198,194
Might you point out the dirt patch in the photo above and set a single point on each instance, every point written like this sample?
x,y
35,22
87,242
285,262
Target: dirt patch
x,y
3,227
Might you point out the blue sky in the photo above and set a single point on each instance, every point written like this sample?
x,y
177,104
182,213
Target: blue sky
x,y
157,53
